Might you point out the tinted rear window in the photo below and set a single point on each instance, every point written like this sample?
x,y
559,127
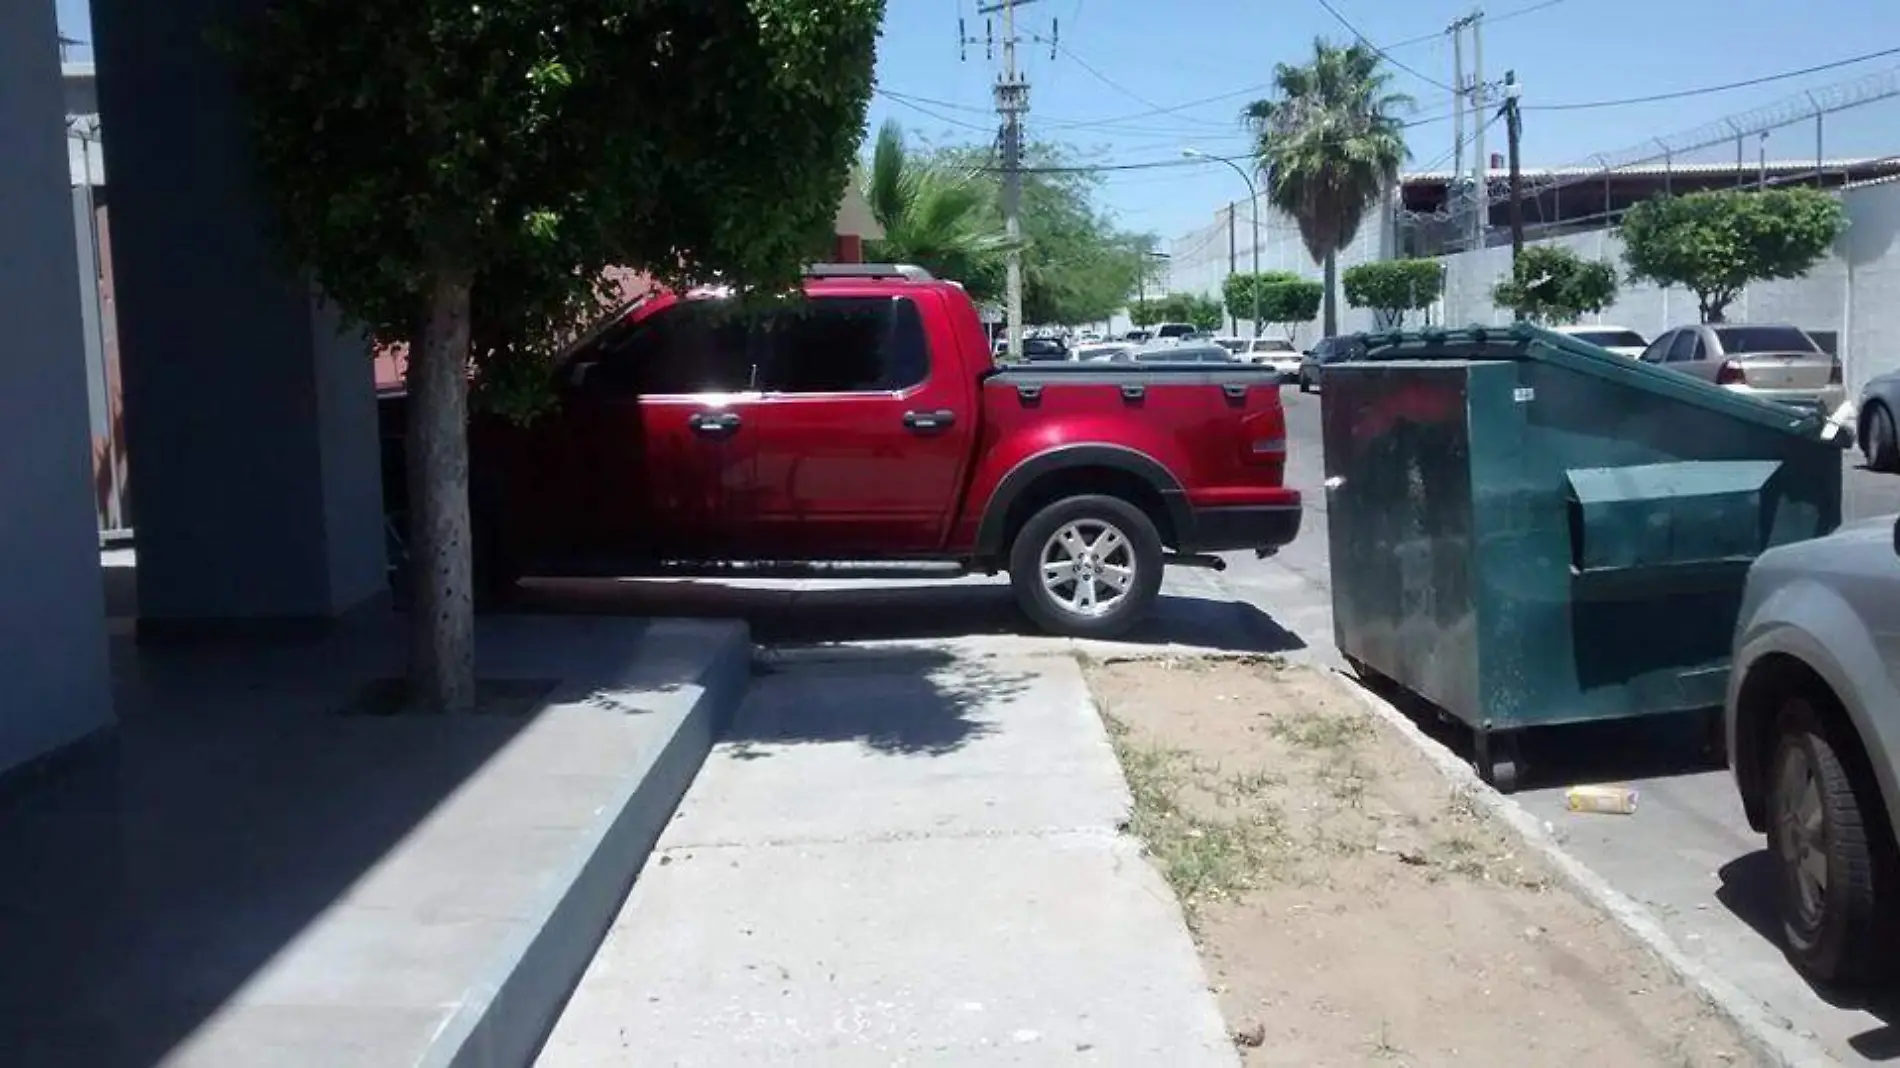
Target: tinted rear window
x,y
1174,330
1612,339
1738,340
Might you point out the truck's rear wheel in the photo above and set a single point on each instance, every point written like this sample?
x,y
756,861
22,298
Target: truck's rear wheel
x,y
1086,567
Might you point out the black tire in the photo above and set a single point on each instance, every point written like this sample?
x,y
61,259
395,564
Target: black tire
x,y
1143,554
1306,385
1881,444
1845,932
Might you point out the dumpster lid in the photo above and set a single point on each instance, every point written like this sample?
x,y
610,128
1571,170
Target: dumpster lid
x,y
1524,342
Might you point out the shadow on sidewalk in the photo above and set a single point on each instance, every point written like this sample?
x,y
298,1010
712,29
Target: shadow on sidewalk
x,y
154,873
787,612
906,702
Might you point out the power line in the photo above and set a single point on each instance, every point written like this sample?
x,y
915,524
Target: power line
x,y
1529,9
939,116
1707,89
1097,74
1154,164
1380,52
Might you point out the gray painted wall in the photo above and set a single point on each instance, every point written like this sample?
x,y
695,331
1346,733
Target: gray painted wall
x,y
250,421
54,684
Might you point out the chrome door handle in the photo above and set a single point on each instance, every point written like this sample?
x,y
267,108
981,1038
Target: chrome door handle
x,y
714,424
923,422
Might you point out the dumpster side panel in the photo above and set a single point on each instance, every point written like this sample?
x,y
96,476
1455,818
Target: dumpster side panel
x,y
1652,635
1399,521
1522,586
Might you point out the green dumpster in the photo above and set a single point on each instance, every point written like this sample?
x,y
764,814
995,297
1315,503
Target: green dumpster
x,y
1527,530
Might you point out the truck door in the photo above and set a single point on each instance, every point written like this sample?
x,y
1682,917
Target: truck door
x,y
862,431
654,438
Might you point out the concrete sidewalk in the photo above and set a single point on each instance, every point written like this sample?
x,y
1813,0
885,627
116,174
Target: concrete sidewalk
x,y
900,856
250,872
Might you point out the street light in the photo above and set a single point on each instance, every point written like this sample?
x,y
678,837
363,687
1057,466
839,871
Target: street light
x,y
1253,211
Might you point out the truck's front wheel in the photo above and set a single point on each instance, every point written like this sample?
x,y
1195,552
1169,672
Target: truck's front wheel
x,y
1086,567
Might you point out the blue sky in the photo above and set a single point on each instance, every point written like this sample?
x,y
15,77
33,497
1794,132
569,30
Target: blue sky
x,y
1122,61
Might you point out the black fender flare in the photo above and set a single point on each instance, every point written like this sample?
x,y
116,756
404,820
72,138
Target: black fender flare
x,y
992,530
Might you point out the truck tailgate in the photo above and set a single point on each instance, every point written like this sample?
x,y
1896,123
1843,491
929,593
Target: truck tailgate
x,y
1219,430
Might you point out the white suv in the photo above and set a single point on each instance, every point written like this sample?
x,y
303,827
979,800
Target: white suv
x,y
1813,721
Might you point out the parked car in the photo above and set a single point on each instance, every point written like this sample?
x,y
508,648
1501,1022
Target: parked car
x,y
1618,339
1879,400
1813,731
1104,352
869,423
1274,352
1774,362
1137,335
1235,345
1183,352
1045,348
1173,330
1312,369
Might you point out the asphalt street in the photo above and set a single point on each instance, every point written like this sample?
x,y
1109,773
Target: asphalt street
x,y
1686,853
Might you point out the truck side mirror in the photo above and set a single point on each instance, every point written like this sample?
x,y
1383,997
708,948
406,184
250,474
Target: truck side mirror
x,y
1896,535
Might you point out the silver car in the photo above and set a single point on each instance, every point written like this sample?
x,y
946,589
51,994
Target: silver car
x,y
1879,400
1813,717
1774,362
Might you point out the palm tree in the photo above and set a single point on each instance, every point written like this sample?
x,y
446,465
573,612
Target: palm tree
x,y
1328,144
937,215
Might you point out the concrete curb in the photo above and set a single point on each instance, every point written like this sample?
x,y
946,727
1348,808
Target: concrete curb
x,y
1769,1041
509,1012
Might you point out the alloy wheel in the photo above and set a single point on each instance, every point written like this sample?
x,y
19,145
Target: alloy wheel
x,y
1801,833
1088,567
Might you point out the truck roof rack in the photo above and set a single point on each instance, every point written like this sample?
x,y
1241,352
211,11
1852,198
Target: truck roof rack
x,y
868,270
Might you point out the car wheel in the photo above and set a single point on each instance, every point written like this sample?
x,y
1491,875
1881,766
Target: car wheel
x,y
1882,446
1833,853
1306,384
1086,567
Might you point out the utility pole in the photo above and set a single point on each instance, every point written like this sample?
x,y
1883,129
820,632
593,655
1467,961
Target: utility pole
x,y
1233,257
1514,132
1012,100
1483,218
1457,32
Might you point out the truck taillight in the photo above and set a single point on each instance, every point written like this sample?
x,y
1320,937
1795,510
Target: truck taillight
x,y
1834,372
1730,374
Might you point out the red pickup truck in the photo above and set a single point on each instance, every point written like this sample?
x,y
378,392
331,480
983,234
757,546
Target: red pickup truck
x,y
869,423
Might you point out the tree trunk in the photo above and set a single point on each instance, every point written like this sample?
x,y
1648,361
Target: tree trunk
x,y
442,617
1329,315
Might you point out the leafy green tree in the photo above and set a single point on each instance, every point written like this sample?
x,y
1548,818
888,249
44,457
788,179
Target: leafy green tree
x,y
418,152
1715,244
938,213
1203,312
1329,144
1552,284
1237,292
1147,312
1078,265
1291,302
1393,287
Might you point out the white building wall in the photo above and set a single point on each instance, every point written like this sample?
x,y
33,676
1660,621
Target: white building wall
x,y
1198,260
1855,292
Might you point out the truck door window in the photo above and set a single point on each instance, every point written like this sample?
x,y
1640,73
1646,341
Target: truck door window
x,y
694,346
845,345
